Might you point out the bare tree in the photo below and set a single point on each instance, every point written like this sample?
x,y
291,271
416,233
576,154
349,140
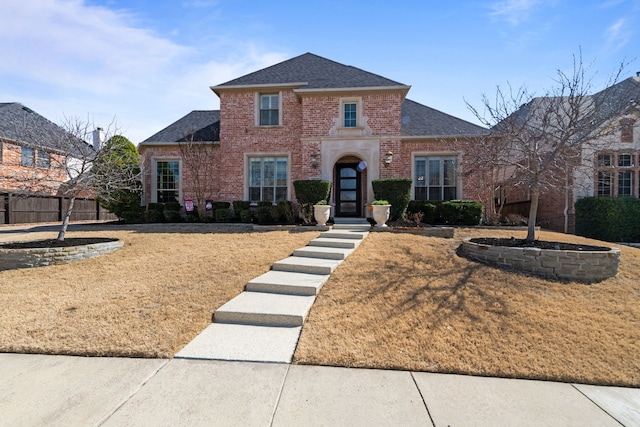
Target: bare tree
x,y
70,159
540,139
197,149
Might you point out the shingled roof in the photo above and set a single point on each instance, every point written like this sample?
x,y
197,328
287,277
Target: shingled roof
x,y
22,125
197,126
312,72
420,120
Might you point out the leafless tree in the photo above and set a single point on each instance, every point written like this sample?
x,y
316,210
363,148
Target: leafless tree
x,y
539,140
197,150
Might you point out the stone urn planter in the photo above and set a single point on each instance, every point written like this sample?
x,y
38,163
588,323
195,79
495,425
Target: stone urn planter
x,y
381,213
322,213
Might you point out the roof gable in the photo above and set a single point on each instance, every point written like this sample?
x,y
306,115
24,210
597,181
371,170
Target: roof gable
x,y
312,72
197,126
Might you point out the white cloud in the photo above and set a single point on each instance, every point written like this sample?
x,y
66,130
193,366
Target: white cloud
x,y
66,58
513,11
618,34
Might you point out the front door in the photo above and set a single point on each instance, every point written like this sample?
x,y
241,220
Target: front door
x,y
348,194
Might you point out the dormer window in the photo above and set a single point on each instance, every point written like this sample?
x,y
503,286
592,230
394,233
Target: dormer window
x,y
350,115
269,109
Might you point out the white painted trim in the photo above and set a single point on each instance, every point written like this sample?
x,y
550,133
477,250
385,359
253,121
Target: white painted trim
x,y
154,177
262,154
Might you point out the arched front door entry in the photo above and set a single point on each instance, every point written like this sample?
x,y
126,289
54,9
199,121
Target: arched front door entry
x,y
348,190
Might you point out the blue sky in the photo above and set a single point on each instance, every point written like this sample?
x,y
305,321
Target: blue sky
x,y
146,63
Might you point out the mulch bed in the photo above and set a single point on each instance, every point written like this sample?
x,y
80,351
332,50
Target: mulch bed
x,y
540,244
55,243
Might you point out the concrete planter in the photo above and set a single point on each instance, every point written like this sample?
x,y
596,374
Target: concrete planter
x,y
582,266
381,214
11,259
322,213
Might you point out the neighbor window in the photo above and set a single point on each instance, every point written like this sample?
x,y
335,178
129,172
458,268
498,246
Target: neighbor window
x,y
350,115
27,156
616,175
269,110
167,181
435,178
44,160
268,178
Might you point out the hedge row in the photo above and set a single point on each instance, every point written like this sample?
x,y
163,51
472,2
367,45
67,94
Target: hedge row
x,y
613,219
397,191
452,212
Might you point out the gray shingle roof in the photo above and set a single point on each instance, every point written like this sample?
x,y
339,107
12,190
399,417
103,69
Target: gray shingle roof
x,y
420,120
317,72
198,125
21,124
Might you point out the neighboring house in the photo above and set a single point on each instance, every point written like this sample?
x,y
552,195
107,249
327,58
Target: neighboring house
x,y
311,118
30,156
607,166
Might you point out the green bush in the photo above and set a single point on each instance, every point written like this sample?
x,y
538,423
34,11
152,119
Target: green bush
x,y
172,206
153,215
192,217
220,205
172,216
427,208
132,217
246,216
207,219
263,214
159,207
239,206
607,218
223,215
461,212
397,191
309,192
285,211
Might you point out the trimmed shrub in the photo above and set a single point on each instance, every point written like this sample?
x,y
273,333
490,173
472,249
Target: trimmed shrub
x,y
132,217
285,211
192,217
246,216
159,207
172,216
207,219
263,214
309,192
153,215
608,218
220,205
239,206
397,191
172,206
461,212
426,207
223,215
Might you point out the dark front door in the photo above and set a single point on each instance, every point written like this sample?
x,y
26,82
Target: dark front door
x,y
348,199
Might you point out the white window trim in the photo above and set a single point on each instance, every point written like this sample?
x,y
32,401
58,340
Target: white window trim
x,y
257,109
247,156
458,157
154,176
359,112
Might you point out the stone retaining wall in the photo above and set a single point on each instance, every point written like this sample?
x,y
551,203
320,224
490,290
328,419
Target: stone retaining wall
x,y
25,258
583,266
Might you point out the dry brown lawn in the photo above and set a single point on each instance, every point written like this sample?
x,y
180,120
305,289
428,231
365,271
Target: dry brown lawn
x,y
409,302
400,301
147,299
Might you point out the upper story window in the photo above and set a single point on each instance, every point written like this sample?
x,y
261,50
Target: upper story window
x,y
435,178
269,110
350,115
44,159
27,156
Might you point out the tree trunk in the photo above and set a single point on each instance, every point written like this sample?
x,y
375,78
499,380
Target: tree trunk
x,y
533,212
67,217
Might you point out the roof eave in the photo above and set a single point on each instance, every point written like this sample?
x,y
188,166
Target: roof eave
x,y
404,89
265,86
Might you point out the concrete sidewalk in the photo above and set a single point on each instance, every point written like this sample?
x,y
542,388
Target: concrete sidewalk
x,y
40,390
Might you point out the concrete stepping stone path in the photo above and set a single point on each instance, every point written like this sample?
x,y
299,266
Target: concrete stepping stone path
x,y
263,323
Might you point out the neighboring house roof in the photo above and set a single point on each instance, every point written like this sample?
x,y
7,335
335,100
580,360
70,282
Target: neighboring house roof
x,y
22,125
420,120
312,72
619,98
197,126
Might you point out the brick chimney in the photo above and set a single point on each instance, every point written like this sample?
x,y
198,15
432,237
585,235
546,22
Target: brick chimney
x,y
98,138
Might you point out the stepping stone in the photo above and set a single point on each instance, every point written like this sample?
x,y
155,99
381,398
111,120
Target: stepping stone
x,y
247,343
298,264
344,234
285,282
335,242
322,252
259,308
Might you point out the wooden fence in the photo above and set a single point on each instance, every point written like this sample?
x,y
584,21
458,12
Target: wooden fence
x,y
21,208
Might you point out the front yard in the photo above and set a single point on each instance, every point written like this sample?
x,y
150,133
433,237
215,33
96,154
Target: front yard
x,y
400,301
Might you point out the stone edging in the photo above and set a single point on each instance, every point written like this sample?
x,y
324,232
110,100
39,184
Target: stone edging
x,y
11,259
582,266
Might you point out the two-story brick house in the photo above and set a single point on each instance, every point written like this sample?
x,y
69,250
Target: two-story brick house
x,y
311,118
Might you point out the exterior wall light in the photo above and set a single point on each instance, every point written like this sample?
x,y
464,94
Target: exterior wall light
x,y
388,158
314,160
